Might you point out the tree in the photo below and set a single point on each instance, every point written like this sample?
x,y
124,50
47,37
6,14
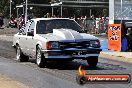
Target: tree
x,y
4,7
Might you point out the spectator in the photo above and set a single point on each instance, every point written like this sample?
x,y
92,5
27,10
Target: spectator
x,y
21,21
30,16
47,15
124,47
13,22
129,38
124,42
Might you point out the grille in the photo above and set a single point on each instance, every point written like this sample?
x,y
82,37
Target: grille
x,y
79,45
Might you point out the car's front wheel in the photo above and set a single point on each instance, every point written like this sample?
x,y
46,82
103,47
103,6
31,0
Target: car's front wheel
x,y
20,56
92,61
40,59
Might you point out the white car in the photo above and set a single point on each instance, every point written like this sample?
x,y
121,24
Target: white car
x,y
55,39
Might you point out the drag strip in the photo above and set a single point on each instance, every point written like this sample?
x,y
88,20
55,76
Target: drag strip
x,y
56,75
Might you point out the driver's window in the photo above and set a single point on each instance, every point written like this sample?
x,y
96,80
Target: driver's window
x,y
40,27
27,25
31,28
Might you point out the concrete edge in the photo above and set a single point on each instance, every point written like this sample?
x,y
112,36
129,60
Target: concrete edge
x,y
116,57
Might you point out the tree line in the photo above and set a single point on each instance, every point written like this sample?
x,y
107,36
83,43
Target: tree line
x,y
41,11
5,5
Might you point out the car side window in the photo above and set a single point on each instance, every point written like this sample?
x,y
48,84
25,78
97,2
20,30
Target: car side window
x,y
40,28
32,26
31,29
28,25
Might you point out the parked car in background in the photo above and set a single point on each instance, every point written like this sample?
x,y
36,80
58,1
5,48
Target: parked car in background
x,y
55,39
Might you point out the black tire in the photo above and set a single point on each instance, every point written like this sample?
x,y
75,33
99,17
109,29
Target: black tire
x,y
92,61
40,59
20,56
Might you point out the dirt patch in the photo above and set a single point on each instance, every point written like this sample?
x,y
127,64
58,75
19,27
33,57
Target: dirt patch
x,y
8,31
6,37
6,49
6,82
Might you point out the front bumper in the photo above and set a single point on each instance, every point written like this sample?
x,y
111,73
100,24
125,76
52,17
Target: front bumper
x,y
72,53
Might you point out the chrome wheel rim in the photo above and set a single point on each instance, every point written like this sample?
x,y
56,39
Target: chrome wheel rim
x,y
18,53
38,57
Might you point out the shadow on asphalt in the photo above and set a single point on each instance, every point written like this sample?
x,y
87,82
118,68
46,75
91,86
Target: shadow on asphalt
x,y
69,66
74,65
66,65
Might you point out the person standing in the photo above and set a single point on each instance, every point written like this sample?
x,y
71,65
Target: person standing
x,y
124,41
21,21
1,20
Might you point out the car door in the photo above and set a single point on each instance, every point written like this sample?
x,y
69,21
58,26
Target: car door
x,y
25,47
30,40
21,38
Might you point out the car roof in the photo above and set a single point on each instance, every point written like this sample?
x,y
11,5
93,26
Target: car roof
x,y
37,19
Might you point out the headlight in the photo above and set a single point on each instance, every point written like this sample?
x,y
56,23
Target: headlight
x,y
95,43
54,44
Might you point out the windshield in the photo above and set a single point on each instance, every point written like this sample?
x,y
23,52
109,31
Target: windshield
x,y
47,26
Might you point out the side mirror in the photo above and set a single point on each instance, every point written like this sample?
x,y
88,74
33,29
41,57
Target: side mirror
x,y
31,32
20,31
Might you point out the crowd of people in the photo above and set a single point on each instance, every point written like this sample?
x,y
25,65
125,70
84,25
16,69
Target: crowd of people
x,y
19,22
93,25
89,25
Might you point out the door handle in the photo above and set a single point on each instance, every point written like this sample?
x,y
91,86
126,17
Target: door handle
x,y
26,38
19,38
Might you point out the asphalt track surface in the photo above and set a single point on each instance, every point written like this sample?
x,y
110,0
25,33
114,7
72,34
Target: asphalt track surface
x,y
56,75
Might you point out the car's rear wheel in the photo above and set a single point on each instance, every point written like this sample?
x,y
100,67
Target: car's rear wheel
x,y
40,59
20,56
92,61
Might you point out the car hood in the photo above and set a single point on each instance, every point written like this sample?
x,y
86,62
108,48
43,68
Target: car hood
x,y
67,34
